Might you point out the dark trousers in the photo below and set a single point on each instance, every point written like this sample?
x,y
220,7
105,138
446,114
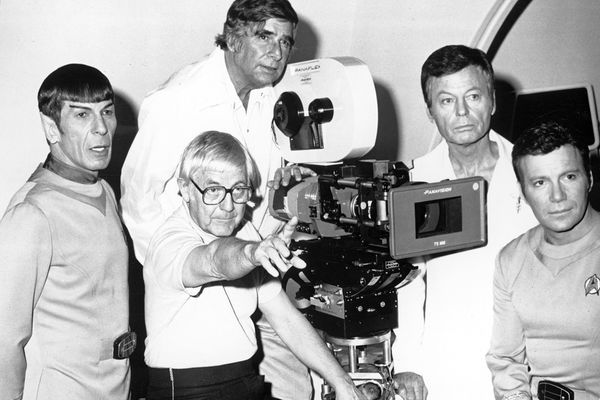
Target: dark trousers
x,y
237,381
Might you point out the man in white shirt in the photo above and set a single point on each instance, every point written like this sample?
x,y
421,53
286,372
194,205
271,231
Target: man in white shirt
x,y
203,285
230,91
445,315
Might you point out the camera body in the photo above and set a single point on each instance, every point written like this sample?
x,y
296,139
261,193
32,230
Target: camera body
x,y
367,219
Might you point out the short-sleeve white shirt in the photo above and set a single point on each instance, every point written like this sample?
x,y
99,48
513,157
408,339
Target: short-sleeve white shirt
x,y
204,326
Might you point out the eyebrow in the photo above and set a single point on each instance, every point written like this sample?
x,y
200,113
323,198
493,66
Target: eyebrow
x,y
89,108
216,183
270,33
77,106
447,93
212,183
546,176
537,177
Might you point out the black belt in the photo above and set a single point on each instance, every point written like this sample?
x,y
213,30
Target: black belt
x,y
203,375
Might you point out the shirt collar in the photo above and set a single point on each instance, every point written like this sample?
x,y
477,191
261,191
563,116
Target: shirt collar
x,y
69,172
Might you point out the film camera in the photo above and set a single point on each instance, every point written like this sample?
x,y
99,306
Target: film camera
x,y
364,218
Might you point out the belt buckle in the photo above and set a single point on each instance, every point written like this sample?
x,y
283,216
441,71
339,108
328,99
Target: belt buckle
x,y
124,345
548,390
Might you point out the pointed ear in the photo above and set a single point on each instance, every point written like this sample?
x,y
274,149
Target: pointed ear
x,y
51,130
184,189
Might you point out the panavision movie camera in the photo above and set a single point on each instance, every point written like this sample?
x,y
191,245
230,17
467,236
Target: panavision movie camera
x,y
365,219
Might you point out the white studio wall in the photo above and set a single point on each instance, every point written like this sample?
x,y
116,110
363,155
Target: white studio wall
x,y
553,43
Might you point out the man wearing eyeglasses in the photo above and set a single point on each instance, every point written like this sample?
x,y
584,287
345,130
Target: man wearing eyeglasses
x,y
204,280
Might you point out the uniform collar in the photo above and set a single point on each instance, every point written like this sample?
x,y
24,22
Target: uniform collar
x,y
68,172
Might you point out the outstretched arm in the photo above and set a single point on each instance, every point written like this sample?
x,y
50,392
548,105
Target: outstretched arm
x,y
232,258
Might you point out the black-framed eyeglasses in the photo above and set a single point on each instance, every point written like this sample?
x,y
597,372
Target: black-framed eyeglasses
x,y
213,195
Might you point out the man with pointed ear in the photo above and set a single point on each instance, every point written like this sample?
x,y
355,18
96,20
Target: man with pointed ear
x,y
445,315
546,334
229,91
64,299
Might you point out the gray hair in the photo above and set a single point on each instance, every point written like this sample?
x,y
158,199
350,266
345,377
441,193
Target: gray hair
x,y
245,14
213,146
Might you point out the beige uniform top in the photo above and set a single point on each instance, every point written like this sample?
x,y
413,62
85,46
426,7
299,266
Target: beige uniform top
x,y
63,292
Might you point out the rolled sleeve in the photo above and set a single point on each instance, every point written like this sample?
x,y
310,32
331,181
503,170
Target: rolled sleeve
x,y
169,249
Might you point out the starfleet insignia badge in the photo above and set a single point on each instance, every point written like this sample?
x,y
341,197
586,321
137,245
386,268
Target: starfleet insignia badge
x,y
592,285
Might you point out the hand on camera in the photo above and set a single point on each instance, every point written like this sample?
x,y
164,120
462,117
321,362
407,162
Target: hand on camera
x,y
283,176
349,392
273,252
410,386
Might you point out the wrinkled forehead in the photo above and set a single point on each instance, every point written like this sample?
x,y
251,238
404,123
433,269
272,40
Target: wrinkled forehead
x,y
565,158
277,26
218,171
468,77
471,75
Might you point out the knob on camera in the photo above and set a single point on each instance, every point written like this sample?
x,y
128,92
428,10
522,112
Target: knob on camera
x,y
289,114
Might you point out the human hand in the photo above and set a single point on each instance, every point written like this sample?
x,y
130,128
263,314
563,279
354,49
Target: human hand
x,y
273,252
287,232
349,391
410,386
284,175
